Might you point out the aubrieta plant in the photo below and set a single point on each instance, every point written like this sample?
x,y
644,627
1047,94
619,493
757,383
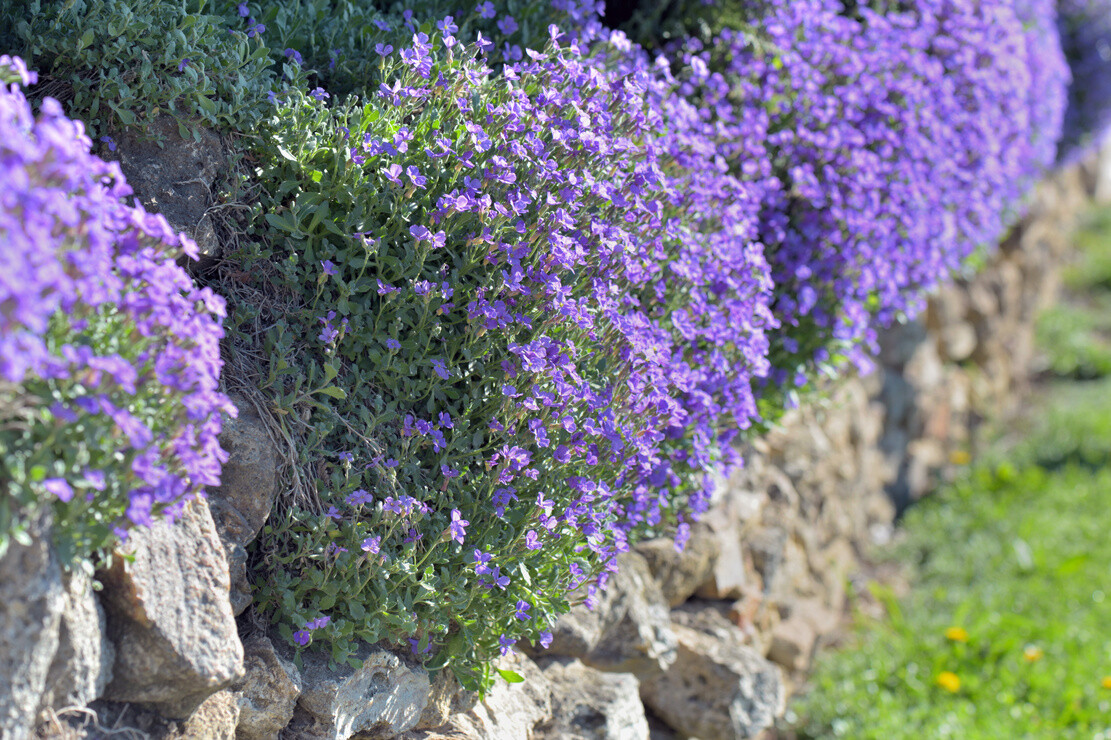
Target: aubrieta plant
x,y
903,142
109,355
1085,32
535,325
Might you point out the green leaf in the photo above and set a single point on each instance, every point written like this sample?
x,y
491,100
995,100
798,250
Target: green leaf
x,y
510,676
86,38
334,392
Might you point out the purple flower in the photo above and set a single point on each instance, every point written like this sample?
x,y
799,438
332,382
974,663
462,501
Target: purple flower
x,y
329,267
244,11
458,526
296,56
318,623
383,49
393,344
183,64
372,544
110,142
301,637
417,178
255,29
319,94
522,611
507,25
58,487
532,542
486,10
545,640
506,644
441,369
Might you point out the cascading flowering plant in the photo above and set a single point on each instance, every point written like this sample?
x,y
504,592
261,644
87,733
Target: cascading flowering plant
x,y
555,284
903,141
109,355
1085,33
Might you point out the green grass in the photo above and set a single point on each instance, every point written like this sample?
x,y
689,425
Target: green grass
x,y
1016,555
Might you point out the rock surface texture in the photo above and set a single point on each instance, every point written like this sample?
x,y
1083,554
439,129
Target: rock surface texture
x,y
32,599
268,692
176,178
628,631
242,501
82,665
592,705
717,689
382,699
169,616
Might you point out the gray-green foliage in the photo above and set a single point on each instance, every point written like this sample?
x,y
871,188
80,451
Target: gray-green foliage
x,y
120,63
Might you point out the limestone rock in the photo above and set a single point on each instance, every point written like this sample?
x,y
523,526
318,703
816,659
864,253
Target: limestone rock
x,y
32,599
627,632
382,699
510,711
215,719
82,666
169,615
716,690
267,693
241,503
592,705
174,179
793,643
445,698
680,573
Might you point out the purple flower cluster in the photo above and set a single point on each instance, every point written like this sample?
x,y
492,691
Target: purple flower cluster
x,y
902,142
1085,29
98,320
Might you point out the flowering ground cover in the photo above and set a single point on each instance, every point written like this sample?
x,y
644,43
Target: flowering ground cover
x,y
1004,632
109,354
514,285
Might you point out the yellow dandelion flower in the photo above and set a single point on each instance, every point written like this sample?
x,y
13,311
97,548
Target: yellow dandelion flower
x,y
957,634
959,457
1106,682
949,681
1032,653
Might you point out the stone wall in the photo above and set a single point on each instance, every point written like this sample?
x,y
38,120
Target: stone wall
x,y
706,643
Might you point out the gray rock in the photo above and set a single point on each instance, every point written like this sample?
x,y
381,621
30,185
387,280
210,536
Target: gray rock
x,y
509,711
169,615
382,699
681,573
82,666
446,697
32,598
716,690
241,503
215,719
268,691
174,176
592,705
627,632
